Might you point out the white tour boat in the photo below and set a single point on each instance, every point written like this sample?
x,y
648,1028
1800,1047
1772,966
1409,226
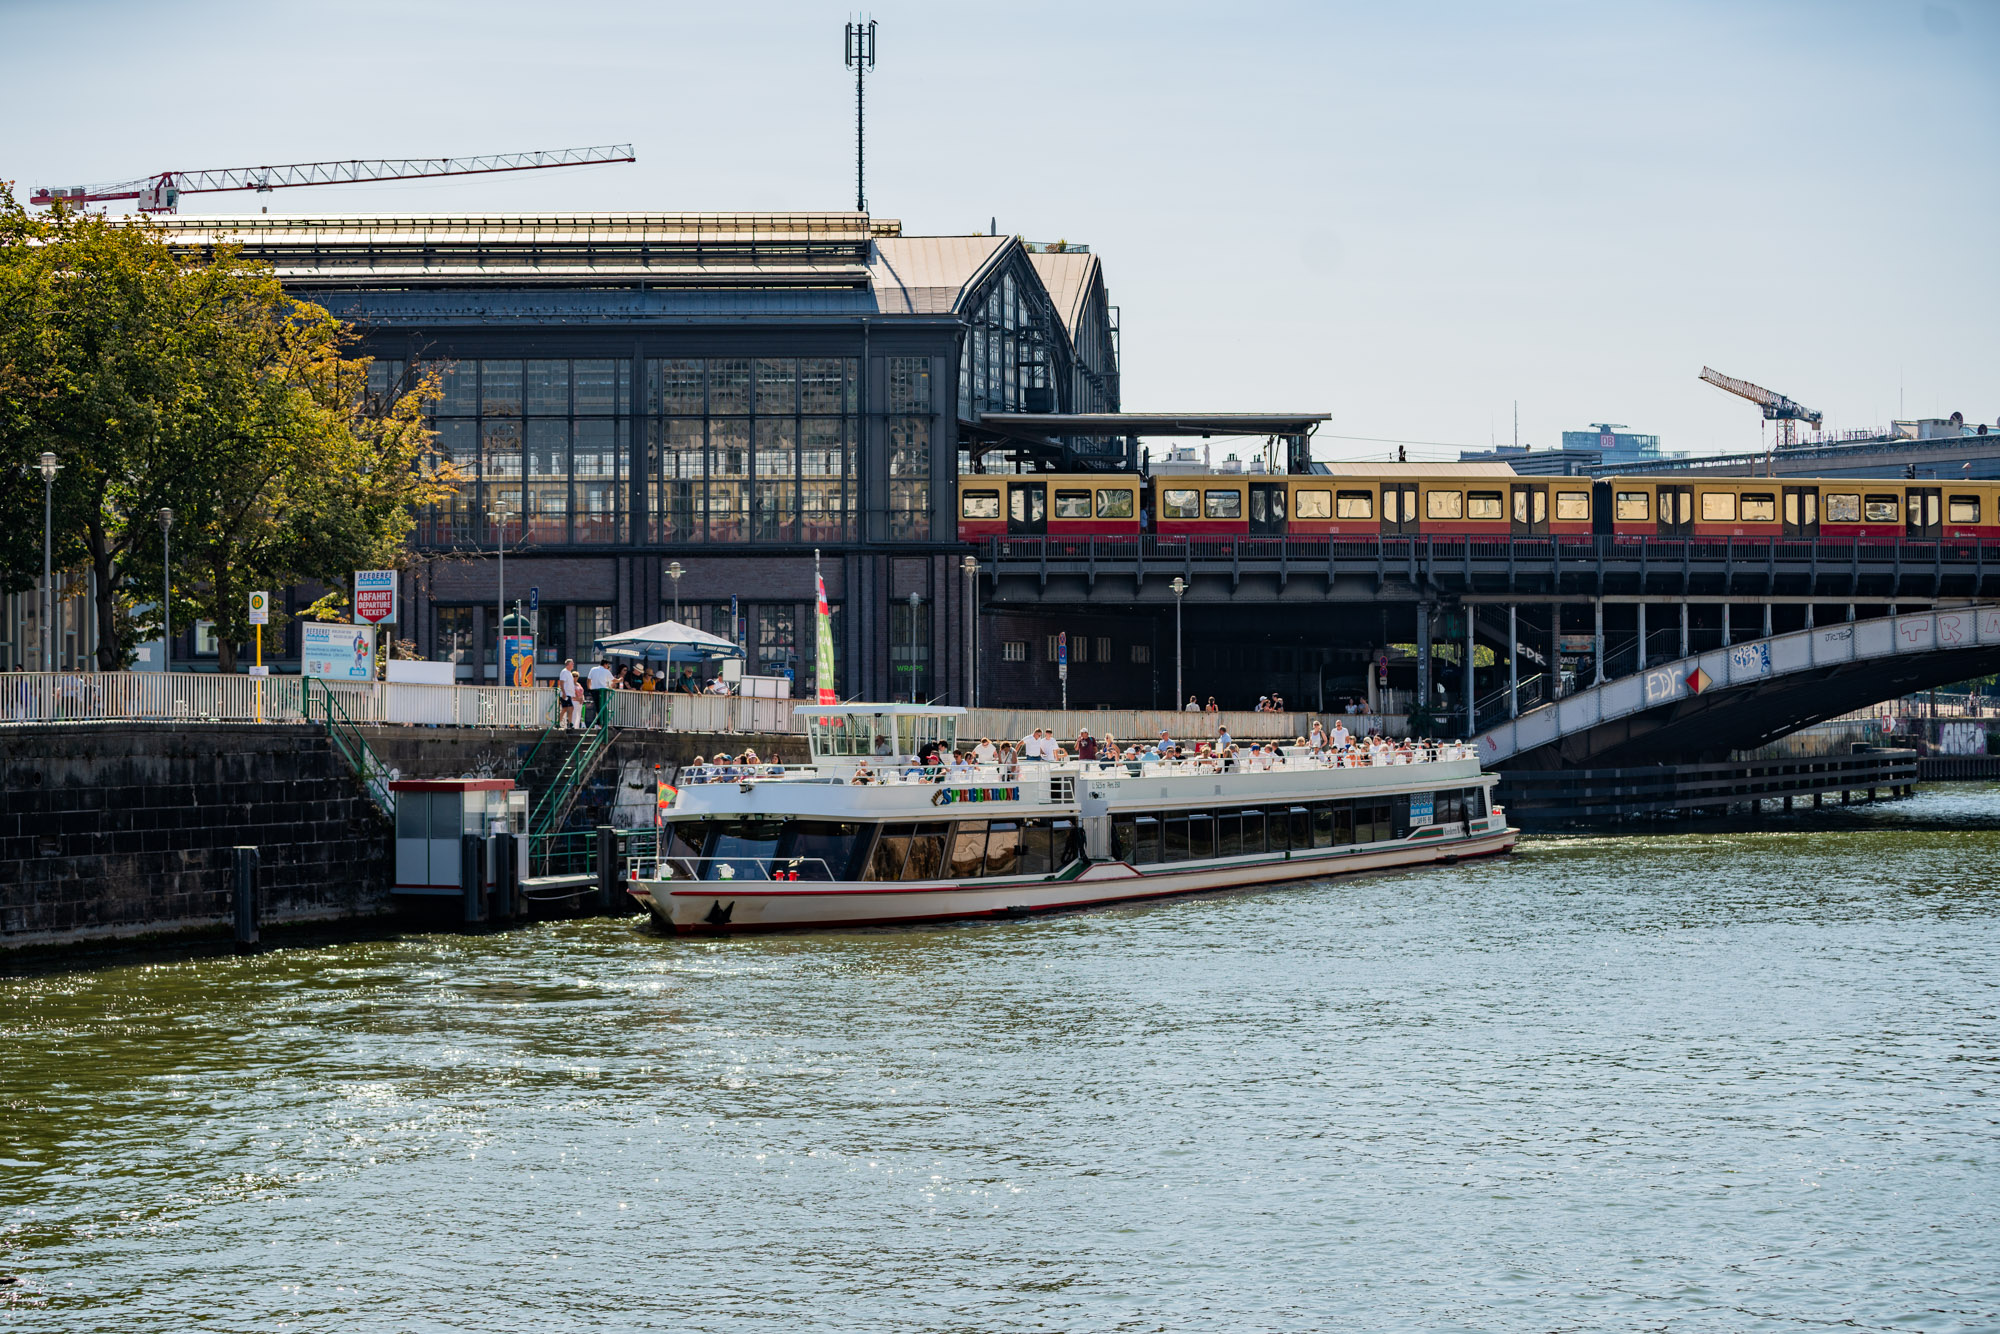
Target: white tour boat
x,y
862,836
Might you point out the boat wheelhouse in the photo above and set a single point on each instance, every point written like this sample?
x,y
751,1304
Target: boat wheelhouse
x,y
870,833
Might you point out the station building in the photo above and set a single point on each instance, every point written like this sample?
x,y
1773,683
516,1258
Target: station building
x,y
729,392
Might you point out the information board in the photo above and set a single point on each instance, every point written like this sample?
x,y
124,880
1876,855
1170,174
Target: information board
x,y
375,596
336,652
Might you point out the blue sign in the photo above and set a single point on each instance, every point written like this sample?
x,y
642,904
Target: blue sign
x,y
1062,649
735,623
1420,808
535,598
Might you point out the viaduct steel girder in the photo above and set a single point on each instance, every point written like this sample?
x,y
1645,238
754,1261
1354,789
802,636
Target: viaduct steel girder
x,y
1298,569
1702,707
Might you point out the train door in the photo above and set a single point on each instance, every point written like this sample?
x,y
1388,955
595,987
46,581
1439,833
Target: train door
x,y
1267,509
1027,509
1399,509
1924,520
1676,511
1801,513
1531,511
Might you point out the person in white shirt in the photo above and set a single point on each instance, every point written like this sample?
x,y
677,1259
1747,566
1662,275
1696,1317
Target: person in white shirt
x,y
984,751
1031,745
1341,736
566,692
600,688
1192,707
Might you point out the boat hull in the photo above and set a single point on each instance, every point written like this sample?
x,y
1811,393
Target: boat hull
x,y
695,907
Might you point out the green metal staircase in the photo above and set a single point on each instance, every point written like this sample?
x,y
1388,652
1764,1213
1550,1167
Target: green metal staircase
x,y
320,704
554,805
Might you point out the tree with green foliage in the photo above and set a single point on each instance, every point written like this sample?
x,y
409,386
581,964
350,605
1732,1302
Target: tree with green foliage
x,y
191,382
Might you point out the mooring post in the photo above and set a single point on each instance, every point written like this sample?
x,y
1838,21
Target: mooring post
x,y
471,876
607,866
244,863
506,878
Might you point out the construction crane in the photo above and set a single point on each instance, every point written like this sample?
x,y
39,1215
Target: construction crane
x,y
1777,408
162,192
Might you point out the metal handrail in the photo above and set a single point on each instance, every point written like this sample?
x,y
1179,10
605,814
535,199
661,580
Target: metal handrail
x,y
764,863
375,776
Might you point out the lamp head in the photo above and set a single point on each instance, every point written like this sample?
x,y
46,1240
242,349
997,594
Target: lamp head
x,y
49,467
674,571
1179,585
916,600
166,518
971,565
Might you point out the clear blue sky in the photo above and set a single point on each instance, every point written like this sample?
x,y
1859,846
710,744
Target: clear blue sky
x,y
1406,215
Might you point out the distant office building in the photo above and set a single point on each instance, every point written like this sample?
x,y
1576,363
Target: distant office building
x,y
1532,462
1617,446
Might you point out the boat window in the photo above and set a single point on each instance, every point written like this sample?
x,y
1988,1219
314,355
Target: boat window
x,y
1123,838
1065,842
1632,505
1003,848
1882,509
980,505
1223,504
1228,833
1364,825
1175,840
1035,858
1300,820
1572,505
1444,504
926,859
968,849
1760,507
1201,835
1484,505
1312,504
687,838
1114,504
1964,509
1176,504
1072,504
1146,833
1445,808
1253,831
1475,803
821,850
1322,822
1354,505
745,845
890,852
1343,824
1843,507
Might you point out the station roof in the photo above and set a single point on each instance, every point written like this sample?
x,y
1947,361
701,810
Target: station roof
x,y
930,275
1041,425
1069,276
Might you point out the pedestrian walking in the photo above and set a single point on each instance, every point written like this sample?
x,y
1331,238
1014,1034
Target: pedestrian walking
x,y
566,691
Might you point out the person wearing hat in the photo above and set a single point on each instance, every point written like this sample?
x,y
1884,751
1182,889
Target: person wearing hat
x,y
1086,746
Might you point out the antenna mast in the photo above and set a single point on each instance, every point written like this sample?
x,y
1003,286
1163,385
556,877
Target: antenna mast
x,y
860,59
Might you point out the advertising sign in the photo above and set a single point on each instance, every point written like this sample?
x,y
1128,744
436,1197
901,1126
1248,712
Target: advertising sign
x,y
260,609
1062,655
823,645
520,660
375,596
1421,807
337,652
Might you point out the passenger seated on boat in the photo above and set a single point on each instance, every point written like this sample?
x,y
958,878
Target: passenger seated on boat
x,y
696,772
882,746
863,775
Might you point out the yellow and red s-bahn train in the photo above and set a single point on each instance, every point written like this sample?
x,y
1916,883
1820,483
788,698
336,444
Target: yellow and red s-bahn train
x,y
1474,500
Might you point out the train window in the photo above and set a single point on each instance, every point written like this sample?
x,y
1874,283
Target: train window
x,y
1114,504
1180,504
1843,507
1072,504
1718,507
1444,504
1573,505
1882,509
1354,505
1312,504
1964,509
1484,505
980,505
1223,504
1760,507
1632,505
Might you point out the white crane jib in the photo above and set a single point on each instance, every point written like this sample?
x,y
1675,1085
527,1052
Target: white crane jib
x,y
1777,408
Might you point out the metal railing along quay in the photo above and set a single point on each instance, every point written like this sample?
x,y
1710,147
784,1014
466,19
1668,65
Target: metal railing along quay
x,y
194,697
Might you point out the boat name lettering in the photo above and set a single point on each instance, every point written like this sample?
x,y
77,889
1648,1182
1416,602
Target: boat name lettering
x,y
950,796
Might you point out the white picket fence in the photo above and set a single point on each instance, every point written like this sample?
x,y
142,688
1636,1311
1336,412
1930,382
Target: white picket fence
x,y
53,697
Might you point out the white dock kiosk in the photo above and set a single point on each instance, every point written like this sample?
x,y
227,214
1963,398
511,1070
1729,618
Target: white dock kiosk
x,y
434,816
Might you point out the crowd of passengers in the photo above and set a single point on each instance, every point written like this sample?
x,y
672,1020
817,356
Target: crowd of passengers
x,y
1004,761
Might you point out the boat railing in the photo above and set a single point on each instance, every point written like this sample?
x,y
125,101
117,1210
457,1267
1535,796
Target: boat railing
x,y
765,868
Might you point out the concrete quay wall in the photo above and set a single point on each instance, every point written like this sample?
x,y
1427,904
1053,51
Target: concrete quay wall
x,y
113,830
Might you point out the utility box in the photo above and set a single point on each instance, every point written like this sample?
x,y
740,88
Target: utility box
x,y
434,814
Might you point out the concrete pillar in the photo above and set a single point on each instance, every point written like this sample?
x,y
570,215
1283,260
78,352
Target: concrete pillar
x,y
1767,620
1725,625
1684,629
1513,661
1424,656
1642,636
1597,644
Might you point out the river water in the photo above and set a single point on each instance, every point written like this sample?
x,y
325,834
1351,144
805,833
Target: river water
x,y
1736,1080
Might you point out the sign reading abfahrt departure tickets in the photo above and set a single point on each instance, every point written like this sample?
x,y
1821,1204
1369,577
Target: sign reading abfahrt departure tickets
x,y
375,596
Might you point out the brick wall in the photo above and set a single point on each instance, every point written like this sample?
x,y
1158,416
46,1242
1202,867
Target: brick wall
x,y
112,830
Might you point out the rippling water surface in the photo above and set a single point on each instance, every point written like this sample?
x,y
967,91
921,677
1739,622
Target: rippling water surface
x,y
1723,1081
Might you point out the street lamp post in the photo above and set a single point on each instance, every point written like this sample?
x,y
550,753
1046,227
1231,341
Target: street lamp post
x,y
166,590
500,517
674,572
1179,585
971,567
49,470
916,601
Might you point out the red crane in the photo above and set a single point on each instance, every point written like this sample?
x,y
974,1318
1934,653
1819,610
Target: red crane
x,y
160,193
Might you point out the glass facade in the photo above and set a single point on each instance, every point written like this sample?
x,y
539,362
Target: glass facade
x,y
751,449
544,440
